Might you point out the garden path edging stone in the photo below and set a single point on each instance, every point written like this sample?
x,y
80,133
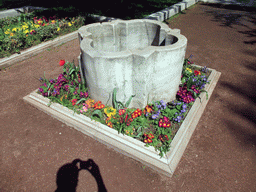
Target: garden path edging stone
x,y
128,145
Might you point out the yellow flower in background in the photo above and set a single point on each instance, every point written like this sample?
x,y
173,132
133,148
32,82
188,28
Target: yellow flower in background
x,y
58,29
53,21
24,26
26,31
12,34
73,22
36,26
189,70
7,32
14,29
69,24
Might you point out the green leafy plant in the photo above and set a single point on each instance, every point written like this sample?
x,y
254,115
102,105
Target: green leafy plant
x,y
155,125
119,105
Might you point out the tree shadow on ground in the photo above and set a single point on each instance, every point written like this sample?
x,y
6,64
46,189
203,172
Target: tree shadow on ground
x,y
247,136
232,17
67,175
244,130
230,7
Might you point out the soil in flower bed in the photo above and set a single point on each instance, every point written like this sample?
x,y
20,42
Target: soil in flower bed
x,y
155,125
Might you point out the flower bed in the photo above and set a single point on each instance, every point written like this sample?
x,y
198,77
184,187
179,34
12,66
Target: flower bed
x,y
22,32
155,125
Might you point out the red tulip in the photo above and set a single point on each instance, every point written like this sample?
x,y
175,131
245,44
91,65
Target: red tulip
x,y
197,73
62,62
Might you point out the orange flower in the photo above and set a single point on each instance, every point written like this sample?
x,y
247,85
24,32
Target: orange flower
x,y
110,124
108,119
98,105
148,109
90,103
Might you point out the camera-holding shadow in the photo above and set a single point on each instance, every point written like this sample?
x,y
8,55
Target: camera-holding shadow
x,y
67,175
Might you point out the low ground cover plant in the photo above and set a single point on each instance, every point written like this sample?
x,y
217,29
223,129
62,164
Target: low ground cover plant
x,y
155,125
27,30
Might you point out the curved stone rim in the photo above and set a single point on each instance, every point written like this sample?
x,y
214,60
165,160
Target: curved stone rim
x,y
86,40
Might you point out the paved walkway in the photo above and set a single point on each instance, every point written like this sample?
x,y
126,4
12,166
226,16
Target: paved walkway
x,y
222,151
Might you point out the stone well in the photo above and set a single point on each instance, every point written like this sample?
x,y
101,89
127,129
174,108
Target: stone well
x,y
138,57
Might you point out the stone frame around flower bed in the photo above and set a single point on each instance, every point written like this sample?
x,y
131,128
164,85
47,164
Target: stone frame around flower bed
x,y
126,144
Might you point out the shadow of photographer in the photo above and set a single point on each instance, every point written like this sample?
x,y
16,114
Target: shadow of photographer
x,y
67,175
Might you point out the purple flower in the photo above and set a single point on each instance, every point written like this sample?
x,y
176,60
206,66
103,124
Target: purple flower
x,y
41,90
66,87
184,106
54,93
154,116
163,105
205,70
52,81
60,77
183,110
45,94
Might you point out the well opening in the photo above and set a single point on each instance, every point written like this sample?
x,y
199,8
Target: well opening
x,y
131,36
